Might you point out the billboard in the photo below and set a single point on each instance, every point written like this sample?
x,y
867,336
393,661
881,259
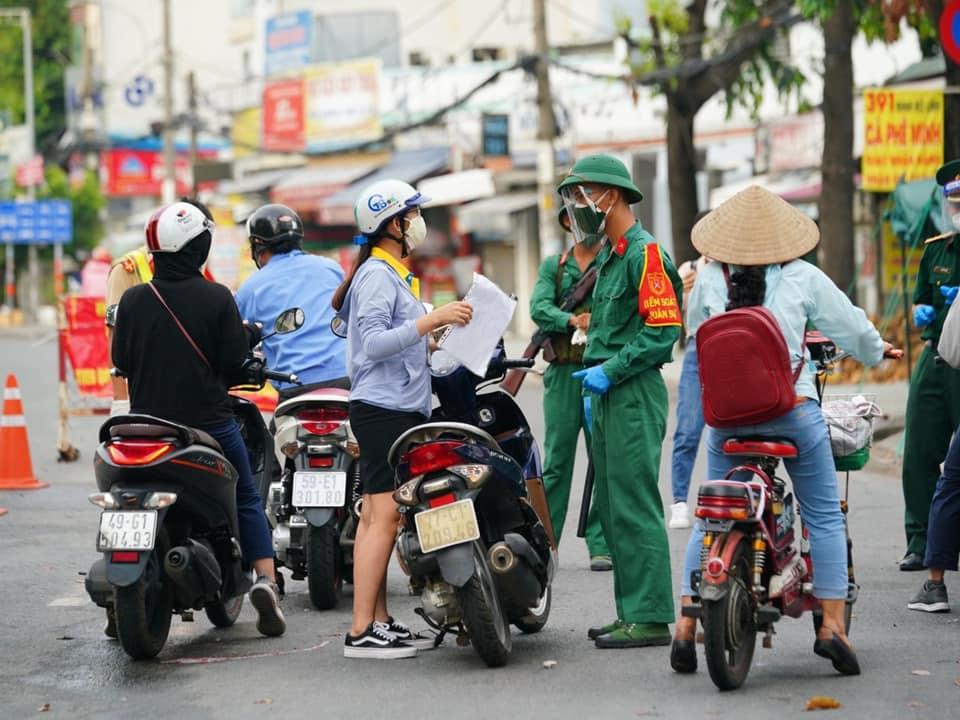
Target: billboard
x,y
903,136
343,103
129,173
283,115
287,43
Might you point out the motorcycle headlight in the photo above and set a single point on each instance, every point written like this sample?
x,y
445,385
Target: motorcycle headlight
x,y
406,494
473,475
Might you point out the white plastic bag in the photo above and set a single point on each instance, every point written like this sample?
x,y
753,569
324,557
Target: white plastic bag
x,y
850,422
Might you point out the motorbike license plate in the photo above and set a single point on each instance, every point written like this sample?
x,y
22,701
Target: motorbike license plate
x,y
448,525
127,530
319,489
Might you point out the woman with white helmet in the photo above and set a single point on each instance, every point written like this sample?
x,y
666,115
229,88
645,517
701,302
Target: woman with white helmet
x,y
387,360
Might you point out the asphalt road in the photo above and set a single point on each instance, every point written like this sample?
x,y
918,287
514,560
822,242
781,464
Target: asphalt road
x,y
55,661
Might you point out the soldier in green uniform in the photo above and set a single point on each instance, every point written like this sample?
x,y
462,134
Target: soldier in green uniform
x,y
933,407
563,410
634,324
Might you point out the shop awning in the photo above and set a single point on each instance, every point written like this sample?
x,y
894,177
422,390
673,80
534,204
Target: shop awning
x,y
408,165
303,189
490,218
458,187
799,187
255,183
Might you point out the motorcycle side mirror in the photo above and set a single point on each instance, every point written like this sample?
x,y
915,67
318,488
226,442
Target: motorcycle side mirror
x,y
338,326
288,321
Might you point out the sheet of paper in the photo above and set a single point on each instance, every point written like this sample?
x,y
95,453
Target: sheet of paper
x,y
473,344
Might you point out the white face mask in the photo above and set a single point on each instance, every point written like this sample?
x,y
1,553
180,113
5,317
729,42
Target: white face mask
x,y
955,218
416,233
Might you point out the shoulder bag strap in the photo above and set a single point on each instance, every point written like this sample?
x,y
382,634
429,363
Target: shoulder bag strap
x,y
180,325
726,275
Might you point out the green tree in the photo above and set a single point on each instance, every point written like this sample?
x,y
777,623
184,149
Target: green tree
x,y
88,202
51,50
696,61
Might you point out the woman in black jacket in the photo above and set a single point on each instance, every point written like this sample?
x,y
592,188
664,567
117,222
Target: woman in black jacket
x,y
182,374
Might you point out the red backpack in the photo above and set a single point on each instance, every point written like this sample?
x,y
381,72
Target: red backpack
x,y
745,372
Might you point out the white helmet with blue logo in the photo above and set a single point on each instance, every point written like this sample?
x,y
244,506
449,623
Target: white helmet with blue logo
x,y
383,200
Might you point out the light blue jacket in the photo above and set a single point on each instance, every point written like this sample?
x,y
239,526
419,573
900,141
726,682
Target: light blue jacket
x,y
796,293
296,279
386,356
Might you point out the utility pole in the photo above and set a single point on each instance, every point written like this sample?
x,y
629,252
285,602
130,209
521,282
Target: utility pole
x,y
33,268
192,108
169,188
546,132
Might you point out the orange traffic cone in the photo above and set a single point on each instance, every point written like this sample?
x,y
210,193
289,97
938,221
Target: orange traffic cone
x,y
3,511
16,470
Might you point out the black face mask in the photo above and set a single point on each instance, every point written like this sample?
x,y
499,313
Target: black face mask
x,y
183,264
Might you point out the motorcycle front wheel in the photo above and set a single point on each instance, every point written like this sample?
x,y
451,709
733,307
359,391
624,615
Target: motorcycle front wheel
x,y
143,610
729,627
484,616
535,620
324,579
224,613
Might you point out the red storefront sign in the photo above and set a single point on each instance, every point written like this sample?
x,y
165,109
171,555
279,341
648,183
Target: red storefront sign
x,y
284,116
128,173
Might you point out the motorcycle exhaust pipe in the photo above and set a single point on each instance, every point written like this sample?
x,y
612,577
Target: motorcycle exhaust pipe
x,y
502,558
193,569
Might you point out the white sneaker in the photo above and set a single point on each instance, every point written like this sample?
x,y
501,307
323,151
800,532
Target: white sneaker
x,y
679,516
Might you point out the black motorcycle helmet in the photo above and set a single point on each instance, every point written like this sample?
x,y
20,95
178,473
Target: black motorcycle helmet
x,y
276,228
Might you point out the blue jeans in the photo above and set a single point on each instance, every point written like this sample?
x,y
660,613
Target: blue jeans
x,y
686,439
814,483
256,542
943,527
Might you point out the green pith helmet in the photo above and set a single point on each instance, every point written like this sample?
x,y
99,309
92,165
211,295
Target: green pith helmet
x,y
603,170
948,171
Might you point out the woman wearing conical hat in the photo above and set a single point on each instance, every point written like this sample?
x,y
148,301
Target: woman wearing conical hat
x,y
758,238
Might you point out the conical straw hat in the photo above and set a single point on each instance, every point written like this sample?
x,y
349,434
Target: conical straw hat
x,y
755,227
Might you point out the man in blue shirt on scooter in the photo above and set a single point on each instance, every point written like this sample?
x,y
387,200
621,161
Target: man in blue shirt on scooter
x,y
288,277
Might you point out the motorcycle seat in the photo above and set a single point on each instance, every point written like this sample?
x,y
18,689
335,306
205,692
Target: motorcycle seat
x,y
148,430
760,447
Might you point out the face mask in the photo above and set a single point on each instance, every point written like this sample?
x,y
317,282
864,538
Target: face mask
x,y
590,218
592,240
416,233
955,219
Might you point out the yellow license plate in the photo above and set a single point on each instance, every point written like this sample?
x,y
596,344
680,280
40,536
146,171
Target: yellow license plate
x,y
448,525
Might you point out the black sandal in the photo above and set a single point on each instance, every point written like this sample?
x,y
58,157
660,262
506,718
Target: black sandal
x,y
683,656
842,656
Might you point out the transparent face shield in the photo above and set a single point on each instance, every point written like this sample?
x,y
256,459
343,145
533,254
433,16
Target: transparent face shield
x,y
951,206
586,219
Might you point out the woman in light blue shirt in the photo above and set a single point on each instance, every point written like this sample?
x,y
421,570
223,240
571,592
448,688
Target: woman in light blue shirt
x,y
760,237
387,349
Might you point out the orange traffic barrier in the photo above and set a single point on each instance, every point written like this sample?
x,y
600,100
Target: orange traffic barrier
x,y
3,511
16,470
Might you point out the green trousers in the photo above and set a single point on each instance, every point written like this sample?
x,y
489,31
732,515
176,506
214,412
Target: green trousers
x,y
563,418
933,412
629,423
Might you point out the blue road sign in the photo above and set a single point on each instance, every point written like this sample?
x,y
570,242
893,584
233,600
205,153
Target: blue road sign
x,y
43,222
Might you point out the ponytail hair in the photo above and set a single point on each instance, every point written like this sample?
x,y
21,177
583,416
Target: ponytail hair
x,y
341,292
748,286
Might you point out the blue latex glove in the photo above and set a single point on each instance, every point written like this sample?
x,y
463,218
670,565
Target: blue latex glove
x,y
923,315
587,414
949,292
594,379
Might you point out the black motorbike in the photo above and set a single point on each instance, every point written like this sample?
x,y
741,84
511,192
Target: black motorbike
x,y
168,531
471,537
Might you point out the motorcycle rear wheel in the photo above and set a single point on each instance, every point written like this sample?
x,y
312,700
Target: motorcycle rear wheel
x,y
535,620
324,579
224,613
729,627
144,610
484,616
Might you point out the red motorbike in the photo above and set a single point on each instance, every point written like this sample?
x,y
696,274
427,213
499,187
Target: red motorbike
x,y
755,564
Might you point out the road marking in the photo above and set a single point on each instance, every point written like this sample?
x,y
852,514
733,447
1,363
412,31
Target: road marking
x,y
75,601
211,660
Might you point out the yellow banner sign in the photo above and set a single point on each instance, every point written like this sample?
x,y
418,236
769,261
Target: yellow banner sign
x,y
903,136
343,103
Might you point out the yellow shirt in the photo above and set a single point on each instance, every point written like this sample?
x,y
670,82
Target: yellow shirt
x,y
412,281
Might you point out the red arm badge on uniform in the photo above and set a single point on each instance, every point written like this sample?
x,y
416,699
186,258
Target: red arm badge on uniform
x,y
658,301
